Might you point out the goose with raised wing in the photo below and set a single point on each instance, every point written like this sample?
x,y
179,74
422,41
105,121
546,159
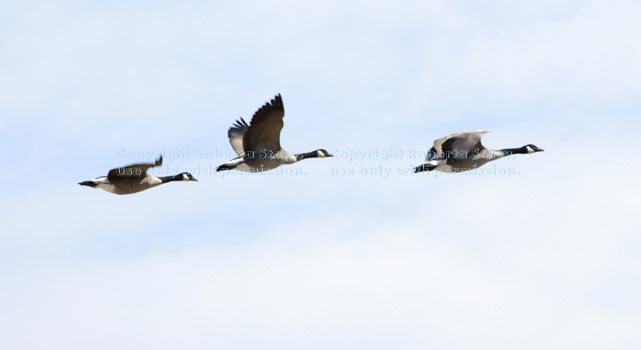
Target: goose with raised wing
x,y
133,178
464,151
258,143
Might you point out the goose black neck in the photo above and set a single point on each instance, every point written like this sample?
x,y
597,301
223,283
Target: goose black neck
x,y
302,156
520,150
165,179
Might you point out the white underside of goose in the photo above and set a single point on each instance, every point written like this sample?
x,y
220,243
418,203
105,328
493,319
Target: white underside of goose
x,y
104,184
440,164
266,163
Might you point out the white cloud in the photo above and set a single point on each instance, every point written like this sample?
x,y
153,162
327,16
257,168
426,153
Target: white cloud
x,y
319,286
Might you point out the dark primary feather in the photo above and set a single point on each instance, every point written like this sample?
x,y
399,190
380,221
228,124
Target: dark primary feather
x,y
460,142
238,128
132,171
461,147
264,130
236,133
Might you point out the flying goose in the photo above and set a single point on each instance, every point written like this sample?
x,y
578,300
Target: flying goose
x,y
464,151
133,178
258,143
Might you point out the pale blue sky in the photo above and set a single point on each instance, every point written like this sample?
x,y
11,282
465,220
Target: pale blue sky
x,y
548,258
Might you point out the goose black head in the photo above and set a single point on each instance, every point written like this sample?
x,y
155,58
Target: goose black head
x,y
321,153
88,183
187,177
532,148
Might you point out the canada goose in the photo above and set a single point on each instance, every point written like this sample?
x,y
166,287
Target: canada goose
x,y
133,178
258,143
464,151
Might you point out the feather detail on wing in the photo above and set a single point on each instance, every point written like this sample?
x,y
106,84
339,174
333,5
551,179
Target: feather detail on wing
x,y
461,142
263,133
134,170
236,133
